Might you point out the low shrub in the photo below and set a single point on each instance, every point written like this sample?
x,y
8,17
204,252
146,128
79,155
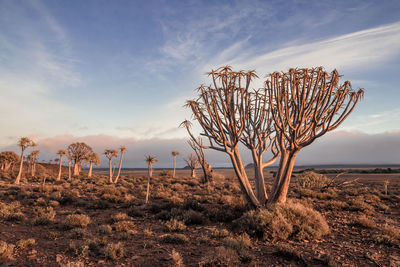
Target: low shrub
x,y
76,220
44,216
358,204
114,251
173,239
220,256
25,243
125,226
311,179
365,222
389,236
283,221
6,250
104,229
173,225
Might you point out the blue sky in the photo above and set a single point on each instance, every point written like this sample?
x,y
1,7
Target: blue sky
x,y
122,70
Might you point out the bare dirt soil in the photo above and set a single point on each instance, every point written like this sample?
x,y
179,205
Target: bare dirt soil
x,y
190,223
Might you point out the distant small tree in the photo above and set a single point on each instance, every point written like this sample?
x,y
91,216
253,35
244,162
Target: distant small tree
x,y
174,154
150,161
8,159
61,153
110,153
122,150
201,158
33,157
78,152
93,159
193,164
23,143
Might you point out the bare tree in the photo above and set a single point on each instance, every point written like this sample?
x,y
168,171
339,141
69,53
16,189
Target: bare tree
x,y
122,150
201,159
193,164
60,153
305,104
150,161
24,143
174,154
110,153
93,159
221,110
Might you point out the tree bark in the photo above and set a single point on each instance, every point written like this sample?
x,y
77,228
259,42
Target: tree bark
x,y
90,170
59,171
148,184
69,171
119,169
282,179
173,175
193,173
110,171
76,169
17,180
259,181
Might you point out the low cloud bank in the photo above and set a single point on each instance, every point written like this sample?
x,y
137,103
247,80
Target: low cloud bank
x,y
339,147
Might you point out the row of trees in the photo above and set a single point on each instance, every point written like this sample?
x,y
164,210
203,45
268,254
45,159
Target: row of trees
x,y
292,110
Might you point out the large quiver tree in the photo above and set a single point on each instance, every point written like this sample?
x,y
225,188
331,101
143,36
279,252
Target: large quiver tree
x,y
305,104
221,111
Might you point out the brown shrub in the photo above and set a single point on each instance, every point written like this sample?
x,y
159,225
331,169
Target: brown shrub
x,y
77,220
173,225
283,221
365,222
221,256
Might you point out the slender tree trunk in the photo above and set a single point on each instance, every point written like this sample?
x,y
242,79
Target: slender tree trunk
x,y
193,173
242,177
90,170
173,175
69,171
76,169
119,169
148,184
282,180
59,171
110,165
17,180
207,171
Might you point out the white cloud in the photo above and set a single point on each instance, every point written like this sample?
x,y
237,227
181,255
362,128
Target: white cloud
x,y
362,49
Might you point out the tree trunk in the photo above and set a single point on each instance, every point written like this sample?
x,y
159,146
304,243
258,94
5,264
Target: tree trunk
x,y
90,170
242,177
193,173
33,168
119,169
69,170
148,184
173,175
7,166
110,166
259,181
59,171
207,171
17,180
282,179
76,168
